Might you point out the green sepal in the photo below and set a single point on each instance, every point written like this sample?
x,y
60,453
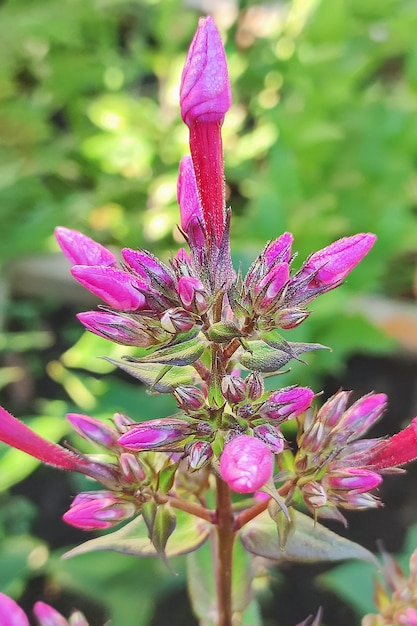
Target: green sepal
x,y
179,354
160,379
166,477
270,489
235,301
133,538
284,522
262,357
164,525
309,543
221,332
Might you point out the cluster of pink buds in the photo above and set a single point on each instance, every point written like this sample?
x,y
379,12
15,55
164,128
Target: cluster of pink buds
x,y
12,615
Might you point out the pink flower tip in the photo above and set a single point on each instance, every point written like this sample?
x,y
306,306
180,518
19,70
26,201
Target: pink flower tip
x,y
205,88
10,612
246,464
47,616
81,250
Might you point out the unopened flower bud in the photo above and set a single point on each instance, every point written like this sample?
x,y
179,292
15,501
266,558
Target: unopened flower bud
x,y
290,318
279,251
98,510
287,403
246,464
160,433
122,422
268,289
115,287
187,194
117,328
270,435
177,320
363,414
93,429
81,250
47,616
354,479
189,398
131,468
10,612
314,494
192,294
199,454
333,409
255,386
233,389
149,266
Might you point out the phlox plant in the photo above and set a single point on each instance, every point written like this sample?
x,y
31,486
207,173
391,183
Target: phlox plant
x,y
219,471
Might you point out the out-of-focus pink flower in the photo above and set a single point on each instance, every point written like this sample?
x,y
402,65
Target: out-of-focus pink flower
x,y
246,464
10,612
47,616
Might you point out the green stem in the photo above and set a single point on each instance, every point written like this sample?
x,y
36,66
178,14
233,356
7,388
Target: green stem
x,y
224,554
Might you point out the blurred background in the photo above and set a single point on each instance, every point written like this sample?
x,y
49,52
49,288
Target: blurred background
x,y
321,140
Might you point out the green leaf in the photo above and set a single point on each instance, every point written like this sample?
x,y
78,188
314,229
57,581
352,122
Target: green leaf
x,y
190,533
179,354
150,374
310,542
261,357
163,527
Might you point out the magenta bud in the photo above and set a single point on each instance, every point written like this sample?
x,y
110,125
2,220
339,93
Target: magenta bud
x,y
332,264
115,287
182,257
314,494
81,250
255,386
233,389
363,414
149,268
273,438
291,318
353,479
279,251
98,510
192,294
187,194
131,468
271,285
116,328
160,433
199,454
287,403
189,398
93,429
246,464
331,413
205,88
177,320
47,616
10,612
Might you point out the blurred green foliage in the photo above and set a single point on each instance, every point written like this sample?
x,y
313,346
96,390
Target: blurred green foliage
x,y
321,140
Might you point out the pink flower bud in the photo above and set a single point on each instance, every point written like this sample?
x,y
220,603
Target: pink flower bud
x,y
408,617
270,287
333,409
93,429
363,414
160,433
314,494
246,464
177,320
291,318
47,616
115,287
233,389
149,268
95,510
255,386
205,89
116,328
354,479
199,454
81,250
189,398
10,612
279,251
332,264
187,193
123,423
131,468
192,293
287,403
273,438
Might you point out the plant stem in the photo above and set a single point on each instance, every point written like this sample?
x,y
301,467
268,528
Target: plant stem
x,y
189,507
224,562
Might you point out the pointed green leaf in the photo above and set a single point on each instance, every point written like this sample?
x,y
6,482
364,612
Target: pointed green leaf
x,y
284,521
310,542
179,354
163,527
223,331
190,533
166,477
160,379
262,357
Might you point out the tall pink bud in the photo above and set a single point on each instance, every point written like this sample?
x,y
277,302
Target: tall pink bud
x,y
81,250
246,464
205,97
